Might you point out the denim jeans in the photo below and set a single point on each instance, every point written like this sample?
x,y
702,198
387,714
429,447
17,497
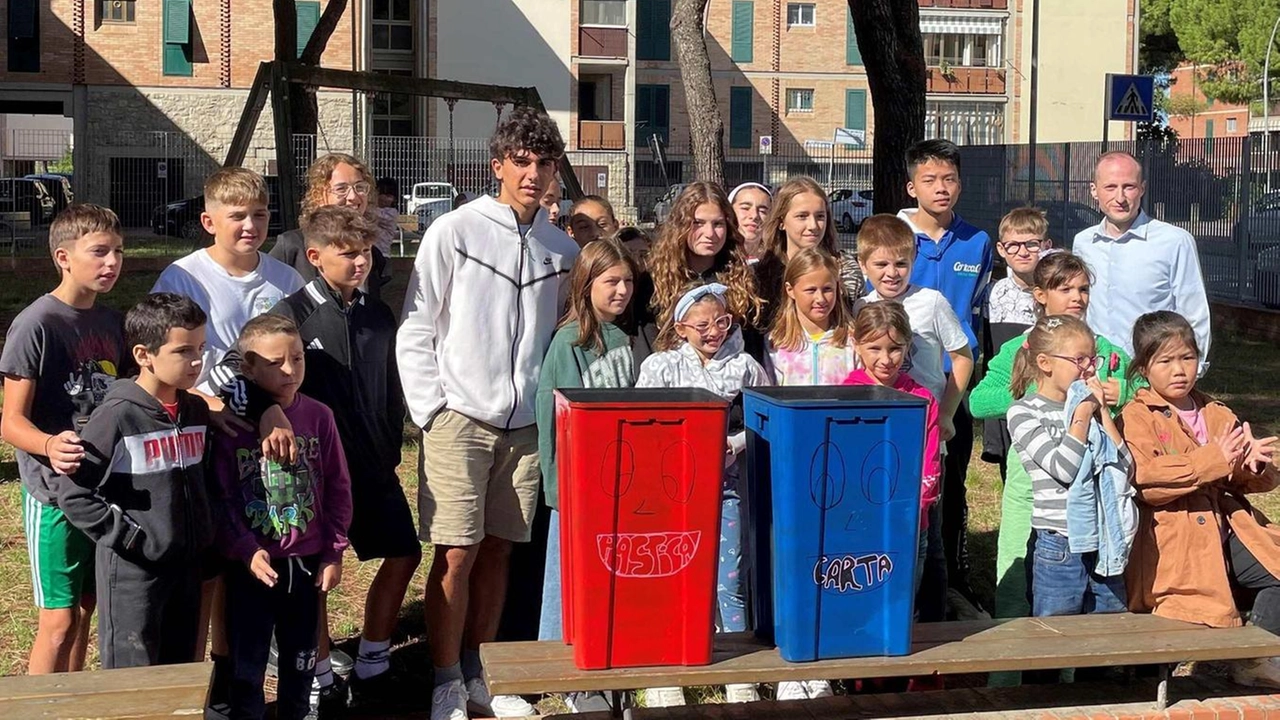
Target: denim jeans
x,y
730,595
550,624
1064,583
931,595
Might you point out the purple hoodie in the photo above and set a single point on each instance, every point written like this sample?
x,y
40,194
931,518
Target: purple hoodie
x,y
294,511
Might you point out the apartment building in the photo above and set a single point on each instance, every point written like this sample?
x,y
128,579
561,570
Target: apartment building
x,y
1192,115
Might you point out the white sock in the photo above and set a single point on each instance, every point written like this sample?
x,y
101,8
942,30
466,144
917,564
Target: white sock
x,y
324,673
374,658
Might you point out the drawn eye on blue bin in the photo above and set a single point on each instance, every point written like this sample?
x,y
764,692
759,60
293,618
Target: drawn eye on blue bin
x,y
617,469
880,470
678,472
826,488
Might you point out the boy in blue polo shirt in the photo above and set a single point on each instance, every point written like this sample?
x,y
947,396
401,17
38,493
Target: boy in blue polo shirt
x,y
954,258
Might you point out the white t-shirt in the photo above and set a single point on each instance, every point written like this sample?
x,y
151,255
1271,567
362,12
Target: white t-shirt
x,y
935,332
229,301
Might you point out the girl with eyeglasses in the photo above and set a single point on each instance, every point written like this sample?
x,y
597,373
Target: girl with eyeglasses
x,y
334,179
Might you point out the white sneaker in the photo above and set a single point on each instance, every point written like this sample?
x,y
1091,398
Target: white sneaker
x,y
803,690
664,697
496,706
449,701
741,693
1259,672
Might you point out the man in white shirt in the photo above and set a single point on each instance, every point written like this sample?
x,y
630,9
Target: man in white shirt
x,y
1139,264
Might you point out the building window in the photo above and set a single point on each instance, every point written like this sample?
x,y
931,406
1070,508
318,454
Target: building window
x,y
24,36
653,112
742,45
1231,126
800,15
800,100
308,14
393,113
603,12
961,50
116,11
176,57
393,25
740,117
653,29
965,123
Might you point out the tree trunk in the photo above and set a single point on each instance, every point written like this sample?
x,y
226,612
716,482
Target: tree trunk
x,y
706,128
889,36
304,114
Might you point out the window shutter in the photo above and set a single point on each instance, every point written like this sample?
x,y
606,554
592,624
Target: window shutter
x,y
661,30
644,29
743,31
852,55
855,109
22,18
308,18
740,117
177,21
662,109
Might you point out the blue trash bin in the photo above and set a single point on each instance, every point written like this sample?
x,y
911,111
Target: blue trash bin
x,y
833,508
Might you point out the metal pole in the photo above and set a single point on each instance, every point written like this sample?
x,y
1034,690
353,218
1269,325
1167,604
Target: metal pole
x,y
1035,83
1266,103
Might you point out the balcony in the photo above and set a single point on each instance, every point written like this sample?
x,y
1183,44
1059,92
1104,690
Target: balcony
x,y
966,4
966,81
602,42
602,135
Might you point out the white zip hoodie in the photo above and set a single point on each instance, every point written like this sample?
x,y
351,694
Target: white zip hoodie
x,y
481,309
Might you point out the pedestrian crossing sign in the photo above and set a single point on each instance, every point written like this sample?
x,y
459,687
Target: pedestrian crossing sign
x,y
1131,97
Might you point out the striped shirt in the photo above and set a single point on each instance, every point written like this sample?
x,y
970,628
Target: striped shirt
x,y
1051,456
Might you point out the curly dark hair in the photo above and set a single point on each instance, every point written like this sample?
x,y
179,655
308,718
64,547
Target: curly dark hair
x,y
526,129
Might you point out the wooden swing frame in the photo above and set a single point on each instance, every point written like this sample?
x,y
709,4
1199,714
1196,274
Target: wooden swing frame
x,y
278,79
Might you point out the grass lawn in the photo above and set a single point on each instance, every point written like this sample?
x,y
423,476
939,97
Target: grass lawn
x,y
1242,376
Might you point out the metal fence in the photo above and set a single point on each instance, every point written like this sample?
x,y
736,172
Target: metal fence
x,y
1217,189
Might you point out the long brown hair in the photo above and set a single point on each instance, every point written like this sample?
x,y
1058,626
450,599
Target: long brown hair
x,y
786,332
1045,338
772,267
596,259
318,180
1150,333
669,263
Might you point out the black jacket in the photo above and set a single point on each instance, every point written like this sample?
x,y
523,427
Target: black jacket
x,y
291,249
141,488
351,368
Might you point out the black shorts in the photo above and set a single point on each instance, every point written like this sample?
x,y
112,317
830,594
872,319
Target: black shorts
x,y
381,523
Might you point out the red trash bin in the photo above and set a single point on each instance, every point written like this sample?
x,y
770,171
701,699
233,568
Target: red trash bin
x,y
640,486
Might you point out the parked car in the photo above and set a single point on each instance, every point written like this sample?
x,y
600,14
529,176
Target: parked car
x,y
431,193
25,195
1257,236
181,219
850,207
59,187
662,208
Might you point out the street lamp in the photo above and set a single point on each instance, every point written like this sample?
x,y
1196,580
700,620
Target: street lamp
x,y
1266,102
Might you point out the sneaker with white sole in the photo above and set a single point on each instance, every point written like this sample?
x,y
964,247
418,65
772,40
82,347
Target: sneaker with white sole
x,y
664,697
1259,672
803,690
496,706
585,702
449,701
741,693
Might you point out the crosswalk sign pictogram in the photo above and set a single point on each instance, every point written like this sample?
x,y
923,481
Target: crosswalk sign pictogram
x,y
1131,97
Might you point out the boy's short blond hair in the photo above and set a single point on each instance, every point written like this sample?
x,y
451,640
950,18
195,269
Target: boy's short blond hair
x,y
337,226
1028,220
885,232
80,219
235,186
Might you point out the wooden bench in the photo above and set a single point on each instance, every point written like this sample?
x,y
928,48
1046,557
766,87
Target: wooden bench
x,y
131,694
938,648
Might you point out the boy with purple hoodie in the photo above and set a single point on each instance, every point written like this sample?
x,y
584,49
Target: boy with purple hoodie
x,y
285,524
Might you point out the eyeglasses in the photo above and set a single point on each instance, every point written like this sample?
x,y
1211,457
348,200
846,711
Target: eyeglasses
x,y
1082,363
343,190
724,322
1016,246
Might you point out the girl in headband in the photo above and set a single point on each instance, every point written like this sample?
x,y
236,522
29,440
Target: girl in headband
x,y
711,356
750,202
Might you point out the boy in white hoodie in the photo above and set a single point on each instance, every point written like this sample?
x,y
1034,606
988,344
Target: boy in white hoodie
x,y
483,301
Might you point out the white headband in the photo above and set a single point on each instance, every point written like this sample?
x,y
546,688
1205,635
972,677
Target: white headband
x,y
747,186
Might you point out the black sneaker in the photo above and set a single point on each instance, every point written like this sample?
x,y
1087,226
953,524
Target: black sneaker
x,y
392,690
331,700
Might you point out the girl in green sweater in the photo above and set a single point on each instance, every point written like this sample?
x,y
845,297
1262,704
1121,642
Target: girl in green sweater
x,y
588,350
1061,287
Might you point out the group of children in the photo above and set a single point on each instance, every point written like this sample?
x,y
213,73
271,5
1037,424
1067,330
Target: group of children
x,y
260,435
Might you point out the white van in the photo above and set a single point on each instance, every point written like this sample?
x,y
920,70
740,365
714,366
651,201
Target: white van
x,y
431,193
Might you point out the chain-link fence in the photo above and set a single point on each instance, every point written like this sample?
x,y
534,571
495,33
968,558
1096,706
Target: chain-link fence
x,y
1217,189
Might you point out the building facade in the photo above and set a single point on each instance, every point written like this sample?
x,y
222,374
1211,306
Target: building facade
x,y
1192,115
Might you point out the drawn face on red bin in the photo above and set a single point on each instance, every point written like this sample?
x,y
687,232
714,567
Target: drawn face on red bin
x,y
646,544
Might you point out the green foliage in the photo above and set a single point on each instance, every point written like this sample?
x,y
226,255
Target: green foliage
x,y
1185,105
1159,50
1230,35
63,165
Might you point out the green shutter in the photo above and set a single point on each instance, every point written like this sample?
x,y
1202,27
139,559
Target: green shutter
x,y
653,30
662,108
740,117
855,109
23,18
177,21
1208,129
308,18
177,59
662,29
644,33
743,31
852,55
653,111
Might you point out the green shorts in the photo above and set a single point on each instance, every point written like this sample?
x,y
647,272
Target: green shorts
x,y
61,556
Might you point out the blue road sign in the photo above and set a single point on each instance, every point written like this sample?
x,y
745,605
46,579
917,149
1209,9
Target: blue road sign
x,y
1131,97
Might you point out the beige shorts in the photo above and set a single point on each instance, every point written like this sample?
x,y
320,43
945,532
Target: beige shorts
x,y
476,480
